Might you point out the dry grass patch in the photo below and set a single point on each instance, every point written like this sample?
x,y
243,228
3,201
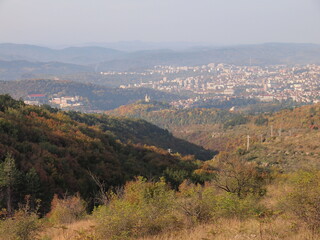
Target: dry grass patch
x,y
80,230
227,229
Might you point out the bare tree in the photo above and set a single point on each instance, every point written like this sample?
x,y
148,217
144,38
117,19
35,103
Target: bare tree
x,y
104,196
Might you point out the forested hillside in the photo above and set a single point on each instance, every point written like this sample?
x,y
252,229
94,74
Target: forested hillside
x,y
284,137
141,132
54,151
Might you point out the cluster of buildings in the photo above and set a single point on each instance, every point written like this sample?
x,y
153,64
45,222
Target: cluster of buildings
x,y
217,82
300,83
67,101
35,99
61,102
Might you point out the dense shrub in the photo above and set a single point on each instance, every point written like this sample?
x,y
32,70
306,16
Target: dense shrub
x,y
303,200
67,210
230,205
197,203
261,121
236,120
23,225
205,203
144,208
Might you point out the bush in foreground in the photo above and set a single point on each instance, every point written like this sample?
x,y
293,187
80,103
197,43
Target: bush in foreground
x,y
67,210
303,200
144,208
23,225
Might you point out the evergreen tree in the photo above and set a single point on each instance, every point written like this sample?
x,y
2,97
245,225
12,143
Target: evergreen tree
x,y
8,178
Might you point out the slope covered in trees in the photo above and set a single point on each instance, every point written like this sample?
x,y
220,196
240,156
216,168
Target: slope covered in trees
x,y
142,132
171,118
55,151
287,139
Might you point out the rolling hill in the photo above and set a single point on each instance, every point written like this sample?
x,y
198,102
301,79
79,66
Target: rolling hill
x,y
94,97
165,116
73,55
286,139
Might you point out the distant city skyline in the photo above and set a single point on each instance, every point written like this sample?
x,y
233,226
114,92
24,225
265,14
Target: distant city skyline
x,y
210,22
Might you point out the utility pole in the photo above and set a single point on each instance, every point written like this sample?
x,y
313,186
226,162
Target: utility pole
x,y
261,138
271,132
280,130
248,142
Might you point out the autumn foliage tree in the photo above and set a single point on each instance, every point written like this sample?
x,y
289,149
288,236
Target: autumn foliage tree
x,y
238,176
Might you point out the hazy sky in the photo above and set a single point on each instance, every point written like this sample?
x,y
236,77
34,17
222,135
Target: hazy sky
x,y
50,22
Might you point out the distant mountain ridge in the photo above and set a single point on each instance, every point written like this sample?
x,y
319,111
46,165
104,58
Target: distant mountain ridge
x,y
22,69
133,46
18,61
264,54
268,53
74,55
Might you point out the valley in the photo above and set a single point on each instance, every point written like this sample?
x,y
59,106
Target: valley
x,y
88,158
